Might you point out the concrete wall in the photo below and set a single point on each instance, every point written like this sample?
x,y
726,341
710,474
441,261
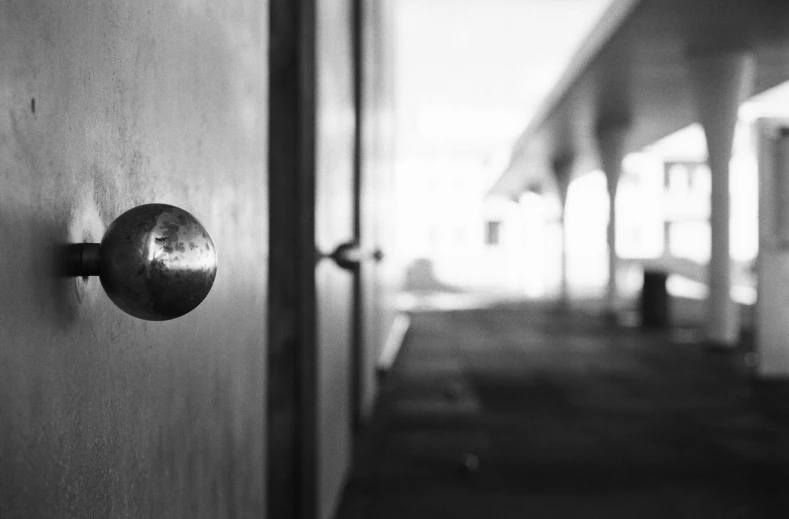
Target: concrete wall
x,y
105,105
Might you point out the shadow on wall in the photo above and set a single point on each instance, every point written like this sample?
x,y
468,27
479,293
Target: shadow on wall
x,y
420,277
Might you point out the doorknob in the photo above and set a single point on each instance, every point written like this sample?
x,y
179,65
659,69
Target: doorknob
x,y
155,262
350,255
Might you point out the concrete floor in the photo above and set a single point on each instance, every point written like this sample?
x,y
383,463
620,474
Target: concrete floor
x,y
519,411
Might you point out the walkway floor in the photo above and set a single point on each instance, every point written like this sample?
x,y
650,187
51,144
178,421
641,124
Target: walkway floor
x,y
523,412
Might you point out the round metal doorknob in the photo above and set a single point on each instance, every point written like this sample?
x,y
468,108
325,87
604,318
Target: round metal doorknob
x,y
155,262
350,255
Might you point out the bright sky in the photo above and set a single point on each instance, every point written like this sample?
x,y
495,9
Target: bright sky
x,y
472,72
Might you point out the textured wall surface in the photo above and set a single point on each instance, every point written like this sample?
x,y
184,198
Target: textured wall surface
x,y
105,105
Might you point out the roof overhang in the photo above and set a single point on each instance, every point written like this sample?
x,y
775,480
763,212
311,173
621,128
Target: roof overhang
x,y
633,70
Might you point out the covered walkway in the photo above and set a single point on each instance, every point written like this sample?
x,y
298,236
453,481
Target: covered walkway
x,y
520,411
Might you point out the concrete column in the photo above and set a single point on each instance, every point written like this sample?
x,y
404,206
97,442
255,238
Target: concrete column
x,y
720,82
666,221
563,171
611,143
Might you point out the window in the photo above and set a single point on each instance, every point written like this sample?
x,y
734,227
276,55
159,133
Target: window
x,y
492,232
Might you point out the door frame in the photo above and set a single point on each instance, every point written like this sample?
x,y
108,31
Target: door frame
x,y
357,315
292,407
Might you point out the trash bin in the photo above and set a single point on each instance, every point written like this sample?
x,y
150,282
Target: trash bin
x,y
654,300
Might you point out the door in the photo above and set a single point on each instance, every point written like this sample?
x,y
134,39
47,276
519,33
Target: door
x,y
325,325
772,263
311,161
378,280
334,211
106,106
353,203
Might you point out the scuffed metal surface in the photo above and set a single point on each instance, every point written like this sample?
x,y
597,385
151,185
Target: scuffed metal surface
x,y
157,262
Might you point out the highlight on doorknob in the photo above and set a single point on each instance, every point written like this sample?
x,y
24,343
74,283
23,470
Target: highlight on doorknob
x,y
155,262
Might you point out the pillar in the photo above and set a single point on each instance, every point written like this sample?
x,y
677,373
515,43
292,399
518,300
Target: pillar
x,y
720,82
563,171
667,224
611,143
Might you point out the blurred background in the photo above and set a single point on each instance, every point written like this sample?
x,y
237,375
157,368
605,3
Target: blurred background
x,y
469,77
